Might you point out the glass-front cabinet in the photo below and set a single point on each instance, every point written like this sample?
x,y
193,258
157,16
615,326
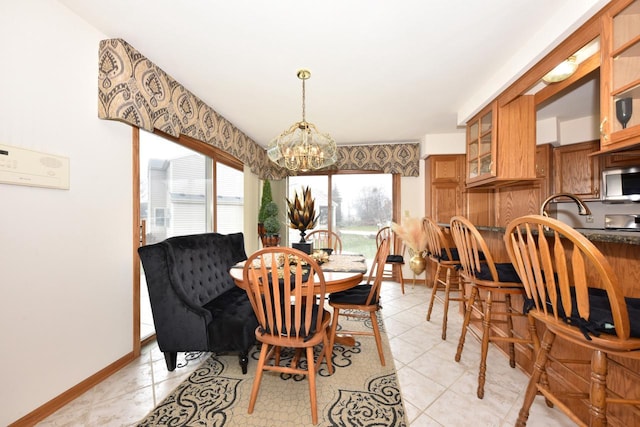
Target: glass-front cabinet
x,y
620,68
481,145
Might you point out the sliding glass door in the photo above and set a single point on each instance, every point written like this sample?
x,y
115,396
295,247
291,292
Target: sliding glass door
x,y
178,196
355,206
175,199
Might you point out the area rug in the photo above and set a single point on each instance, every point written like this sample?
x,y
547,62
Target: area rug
x,y
360,392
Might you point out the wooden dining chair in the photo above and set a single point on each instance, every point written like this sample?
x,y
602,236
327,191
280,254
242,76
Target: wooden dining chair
x,y
286,288
446,280
362,299
325,239
487,280
572,289
395,259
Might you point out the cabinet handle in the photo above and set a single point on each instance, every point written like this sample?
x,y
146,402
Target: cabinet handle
x,y
603,135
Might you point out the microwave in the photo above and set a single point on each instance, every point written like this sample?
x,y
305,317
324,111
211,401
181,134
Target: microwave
x,y
621,185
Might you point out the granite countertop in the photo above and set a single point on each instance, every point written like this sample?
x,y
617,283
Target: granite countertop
x,y
593,234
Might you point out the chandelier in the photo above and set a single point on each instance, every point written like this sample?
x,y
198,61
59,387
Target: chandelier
x,y
302,147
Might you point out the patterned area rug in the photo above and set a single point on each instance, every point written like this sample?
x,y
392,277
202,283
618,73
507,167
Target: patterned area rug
x,y
361,392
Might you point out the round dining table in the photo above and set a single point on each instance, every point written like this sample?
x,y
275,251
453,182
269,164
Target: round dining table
x,y
335,281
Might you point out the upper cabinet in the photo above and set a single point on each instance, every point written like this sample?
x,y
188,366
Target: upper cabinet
x,y
620,76
501,144
481,145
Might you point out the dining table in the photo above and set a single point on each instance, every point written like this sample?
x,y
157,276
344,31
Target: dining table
x,y
341,272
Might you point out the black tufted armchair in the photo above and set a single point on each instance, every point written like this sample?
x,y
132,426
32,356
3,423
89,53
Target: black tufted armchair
x,y
195,303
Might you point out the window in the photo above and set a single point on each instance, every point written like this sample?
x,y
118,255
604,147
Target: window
x,y
355,205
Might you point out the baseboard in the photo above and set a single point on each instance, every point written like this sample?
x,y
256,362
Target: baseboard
x,y
58,402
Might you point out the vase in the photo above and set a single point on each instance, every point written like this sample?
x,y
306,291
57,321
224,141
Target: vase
x,y
417,263
624,109
270,240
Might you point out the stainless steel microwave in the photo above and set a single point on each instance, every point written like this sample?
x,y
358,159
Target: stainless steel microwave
x,y
621,185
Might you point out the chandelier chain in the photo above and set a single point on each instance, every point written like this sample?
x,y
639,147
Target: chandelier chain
x,y
304,118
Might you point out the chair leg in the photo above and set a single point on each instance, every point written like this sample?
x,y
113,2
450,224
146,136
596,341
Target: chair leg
x,y
244,361
538,371
376,334
486,330
512,345
445,315
256,381
334,328
171,359
598,389
434,291
311,376
328,351
399,267
467,319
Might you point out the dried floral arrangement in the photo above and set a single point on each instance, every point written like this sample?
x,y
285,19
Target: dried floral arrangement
x,y
412,233
302,213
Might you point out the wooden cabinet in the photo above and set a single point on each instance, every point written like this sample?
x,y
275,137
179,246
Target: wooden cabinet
x,y
575,171
544,168
620,75
481,145
501,143
622,159
444,186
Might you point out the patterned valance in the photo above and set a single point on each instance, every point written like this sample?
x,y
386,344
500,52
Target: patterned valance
x,y
134,90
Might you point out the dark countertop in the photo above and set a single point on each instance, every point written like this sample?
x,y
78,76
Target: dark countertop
x,y
593,234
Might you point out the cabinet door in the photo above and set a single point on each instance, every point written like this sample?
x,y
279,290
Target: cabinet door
x,y
446,169
481,145
576,171
544,165
622,159
620,76
445,202
444,186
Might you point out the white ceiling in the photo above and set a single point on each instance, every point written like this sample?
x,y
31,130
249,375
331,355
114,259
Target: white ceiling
x,y
382,70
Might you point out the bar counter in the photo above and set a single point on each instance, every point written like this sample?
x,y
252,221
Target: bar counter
x,y
622,250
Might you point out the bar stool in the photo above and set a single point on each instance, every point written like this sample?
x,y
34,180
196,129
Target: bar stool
x,y
483,274
447,260
563,272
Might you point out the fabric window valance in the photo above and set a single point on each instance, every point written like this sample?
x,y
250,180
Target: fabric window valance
x,y
134,90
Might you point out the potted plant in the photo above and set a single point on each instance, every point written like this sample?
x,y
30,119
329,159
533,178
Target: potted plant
x,y
271,225
302,216
266,199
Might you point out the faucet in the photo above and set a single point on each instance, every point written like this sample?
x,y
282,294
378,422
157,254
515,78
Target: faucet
x,y
582,208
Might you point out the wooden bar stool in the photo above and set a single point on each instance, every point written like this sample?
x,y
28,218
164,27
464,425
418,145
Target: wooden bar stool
x,y
447,260
483,274
563,272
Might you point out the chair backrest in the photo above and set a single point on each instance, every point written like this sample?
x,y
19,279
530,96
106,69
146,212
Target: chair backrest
x,y
286,288
396,245
475,258
377,270
558,266
325,239
437,247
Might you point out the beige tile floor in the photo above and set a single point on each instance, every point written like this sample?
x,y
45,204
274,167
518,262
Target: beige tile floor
x,y
436,390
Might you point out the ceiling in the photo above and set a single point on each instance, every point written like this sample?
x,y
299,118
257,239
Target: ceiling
x,y
381,70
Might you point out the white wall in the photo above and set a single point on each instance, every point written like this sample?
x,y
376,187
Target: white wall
x,y
65,255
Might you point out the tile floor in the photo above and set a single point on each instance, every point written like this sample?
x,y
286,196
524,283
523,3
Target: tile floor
x,y
436,390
